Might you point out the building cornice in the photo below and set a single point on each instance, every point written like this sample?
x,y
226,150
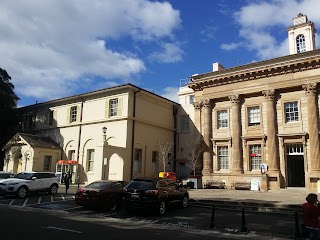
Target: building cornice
x,y
309,23
264,69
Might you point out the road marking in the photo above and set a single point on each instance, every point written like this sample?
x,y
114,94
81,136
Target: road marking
x,y
25,202
44,203
39,200
11,202
64,229
67,209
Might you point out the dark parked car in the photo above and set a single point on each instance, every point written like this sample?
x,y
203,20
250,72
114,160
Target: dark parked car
x,y
103,194
154,193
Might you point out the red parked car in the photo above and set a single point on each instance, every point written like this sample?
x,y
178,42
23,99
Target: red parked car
x,y
103,194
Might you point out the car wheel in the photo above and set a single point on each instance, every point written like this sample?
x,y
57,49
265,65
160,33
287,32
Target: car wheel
x,y
22,192
184,202
53,190
162,208
112,204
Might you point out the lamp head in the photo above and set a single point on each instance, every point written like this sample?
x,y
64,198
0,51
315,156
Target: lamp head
x,y
104,130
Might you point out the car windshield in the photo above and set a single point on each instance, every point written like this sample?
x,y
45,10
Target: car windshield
x,y
24,175
99,185
4,175
142,184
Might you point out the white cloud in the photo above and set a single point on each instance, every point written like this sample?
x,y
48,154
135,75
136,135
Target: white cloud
x,y
260,22
230,46
208,32
48,46
170,53
171,93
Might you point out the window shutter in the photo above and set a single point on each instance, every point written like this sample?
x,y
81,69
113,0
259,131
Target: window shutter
x,y
119,113
68,114
78,112
107,109
55,121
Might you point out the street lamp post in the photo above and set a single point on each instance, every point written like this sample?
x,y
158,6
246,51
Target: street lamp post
x,y
104,131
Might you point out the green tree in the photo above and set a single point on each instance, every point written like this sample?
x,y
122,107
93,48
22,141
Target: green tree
x,y
6,93
9,116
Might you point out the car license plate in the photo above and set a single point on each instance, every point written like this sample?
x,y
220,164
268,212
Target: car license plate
x,y
134,195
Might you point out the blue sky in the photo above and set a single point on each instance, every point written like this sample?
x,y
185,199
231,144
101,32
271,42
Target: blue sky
x,y
58,48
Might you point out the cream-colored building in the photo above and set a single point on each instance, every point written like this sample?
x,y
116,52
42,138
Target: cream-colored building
x,y
113,133
261,115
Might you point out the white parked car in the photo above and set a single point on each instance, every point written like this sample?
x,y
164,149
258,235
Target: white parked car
x,y
23,183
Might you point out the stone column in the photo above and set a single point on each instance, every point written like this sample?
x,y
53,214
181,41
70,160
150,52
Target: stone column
x,y
237,165
207,132
311,92
197,115
273,160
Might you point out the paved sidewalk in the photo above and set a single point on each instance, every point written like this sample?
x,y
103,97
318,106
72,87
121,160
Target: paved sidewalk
x,y
289,196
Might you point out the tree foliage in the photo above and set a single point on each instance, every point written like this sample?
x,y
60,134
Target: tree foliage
x,y
9,116
6,92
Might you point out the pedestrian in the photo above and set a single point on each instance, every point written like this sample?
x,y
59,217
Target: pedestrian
x,y
67,181
311,212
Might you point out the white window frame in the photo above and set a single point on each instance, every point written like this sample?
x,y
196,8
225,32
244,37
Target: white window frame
x,y
291,111
191,99
294,149
301,44
255,155
113,106
73,113
90,160
223,157
254,116
222,119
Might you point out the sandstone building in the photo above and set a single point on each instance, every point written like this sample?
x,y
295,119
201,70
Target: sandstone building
x,y
262,114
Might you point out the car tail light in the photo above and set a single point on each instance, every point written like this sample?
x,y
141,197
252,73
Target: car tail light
x,y
151,192
80,190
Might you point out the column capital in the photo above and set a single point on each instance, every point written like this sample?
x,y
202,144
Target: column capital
x,y
234,98
206,103
269,94
310,88
197,105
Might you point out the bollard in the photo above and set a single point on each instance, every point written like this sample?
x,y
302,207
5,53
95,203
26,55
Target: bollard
x,y
212,216
243,224
297,227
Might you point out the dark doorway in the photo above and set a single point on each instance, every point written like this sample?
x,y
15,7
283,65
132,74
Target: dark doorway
x,y
295,171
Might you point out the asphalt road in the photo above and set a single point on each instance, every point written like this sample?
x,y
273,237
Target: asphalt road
x,y
59,214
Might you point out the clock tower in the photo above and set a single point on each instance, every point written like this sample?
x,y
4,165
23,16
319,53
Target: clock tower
x,y
301,35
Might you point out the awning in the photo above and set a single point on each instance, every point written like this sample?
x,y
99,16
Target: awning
x,y
67,162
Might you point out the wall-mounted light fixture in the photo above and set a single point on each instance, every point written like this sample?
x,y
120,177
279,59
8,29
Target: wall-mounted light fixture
x,y
104,131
